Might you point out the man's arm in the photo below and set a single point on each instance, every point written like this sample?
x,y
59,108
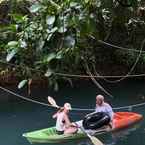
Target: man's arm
x,y
109,110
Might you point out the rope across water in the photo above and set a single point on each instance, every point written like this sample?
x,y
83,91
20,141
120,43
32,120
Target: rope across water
x,y
73,109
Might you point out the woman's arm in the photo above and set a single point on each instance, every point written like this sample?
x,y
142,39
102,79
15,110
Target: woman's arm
x,y
67,121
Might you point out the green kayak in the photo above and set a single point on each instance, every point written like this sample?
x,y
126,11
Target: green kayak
x,y
49,135
121,120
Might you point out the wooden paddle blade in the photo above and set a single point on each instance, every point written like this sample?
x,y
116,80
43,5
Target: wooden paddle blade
x,y
95,140
52,102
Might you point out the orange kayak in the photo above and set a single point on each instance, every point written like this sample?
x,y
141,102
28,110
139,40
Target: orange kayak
x,y
125,119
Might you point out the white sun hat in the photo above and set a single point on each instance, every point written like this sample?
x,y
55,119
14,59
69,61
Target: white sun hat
x,y
67,106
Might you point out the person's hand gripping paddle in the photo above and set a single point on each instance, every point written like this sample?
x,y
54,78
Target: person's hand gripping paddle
x,y
94,140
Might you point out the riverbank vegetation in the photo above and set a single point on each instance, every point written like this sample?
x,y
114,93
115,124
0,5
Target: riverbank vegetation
x,y
41,38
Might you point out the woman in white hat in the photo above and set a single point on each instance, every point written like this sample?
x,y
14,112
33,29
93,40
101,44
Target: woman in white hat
x,y
63,123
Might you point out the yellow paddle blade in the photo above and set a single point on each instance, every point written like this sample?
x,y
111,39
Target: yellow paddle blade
x,y
95,140
52,102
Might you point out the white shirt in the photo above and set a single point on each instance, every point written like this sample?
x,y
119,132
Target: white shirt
x,y
59,121
105,108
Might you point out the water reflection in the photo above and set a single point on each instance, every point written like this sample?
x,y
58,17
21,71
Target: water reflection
x,y
112,138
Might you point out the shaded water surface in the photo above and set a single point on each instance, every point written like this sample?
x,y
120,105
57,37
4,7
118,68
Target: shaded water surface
x,y
18,116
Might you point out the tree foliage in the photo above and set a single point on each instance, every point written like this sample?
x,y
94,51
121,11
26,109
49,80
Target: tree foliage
x,y
58,36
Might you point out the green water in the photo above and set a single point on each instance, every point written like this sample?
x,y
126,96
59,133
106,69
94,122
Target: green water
x,y
18,116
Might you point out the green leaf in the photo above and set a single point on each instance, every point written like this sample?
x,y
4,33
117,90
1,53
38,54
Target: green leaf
x,y
23,43
99,4
35,8
22,84
59,55
41,44
54,4
52,30
51,57
74,4
48,73
62,29
49,36
86,1
12,43
19,18
11,54
13,27
50,19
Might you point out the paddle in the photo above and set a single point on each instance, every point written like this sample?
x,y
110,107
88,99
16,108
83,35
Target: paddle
x,y
94,140
53,102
